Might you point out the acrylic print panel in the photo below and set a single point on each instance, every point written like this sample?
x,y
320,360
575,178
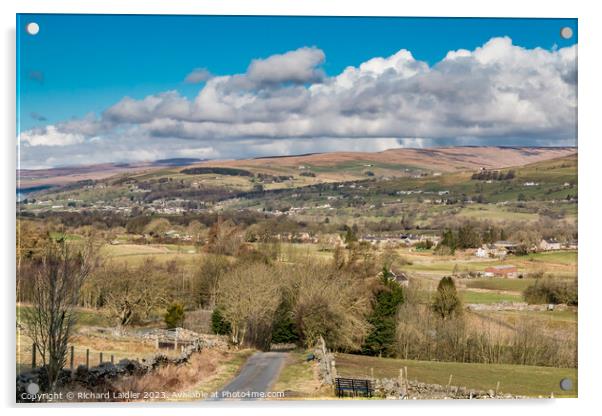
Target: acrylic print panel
x,y
226,208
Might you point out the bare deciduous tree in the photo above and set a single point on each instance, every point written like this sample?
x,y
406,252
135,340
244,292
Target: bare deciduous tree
x,y
207,278
57,283
329,303
131,292
248,297
224,237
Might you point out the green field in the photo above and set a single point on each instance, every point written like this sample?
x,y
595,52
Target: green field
x,y
517,285
495,213
568,257
85,317
469,296
515,379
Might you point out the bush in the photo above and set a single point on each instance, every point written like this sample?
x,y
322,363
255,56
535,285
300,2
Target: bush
x,y
218,325
549,290
448,244
175,315
447,302
424,245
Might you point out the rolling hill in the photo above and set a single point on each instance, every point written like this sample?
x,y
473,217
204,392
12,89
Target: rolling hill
x,y
444,159
310,168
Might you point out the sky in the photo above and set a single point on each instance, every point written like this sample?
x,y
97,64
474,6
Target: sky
x,y
108,88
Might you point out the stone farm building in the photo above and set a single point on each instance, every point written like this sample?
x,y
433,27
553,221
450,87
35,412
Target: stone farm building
x,y
400,277
507,271
498,249
548,244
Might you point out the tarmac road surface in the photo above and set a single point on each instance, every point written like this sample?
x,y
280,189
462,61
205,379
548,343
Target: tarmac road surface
x,y
256,377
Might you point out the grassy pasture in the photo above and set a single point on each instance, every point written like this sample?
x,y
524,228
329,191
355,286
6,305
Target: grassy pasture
x,y
524,380
516,285
553,320
496,213
565,257
136,254
85,317
470,296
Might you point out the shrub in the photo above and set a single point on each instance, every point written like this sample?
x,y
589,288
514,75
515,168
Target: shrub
x,y
424,245
447,302
553,291
175,315
448,243
218,325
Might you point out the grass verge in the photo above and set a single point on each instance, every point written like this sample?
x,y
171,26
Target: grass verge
x,y
227,370
299,379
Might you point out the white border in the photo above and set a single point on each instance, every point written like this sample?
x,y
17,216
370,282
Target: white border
x,y
590,24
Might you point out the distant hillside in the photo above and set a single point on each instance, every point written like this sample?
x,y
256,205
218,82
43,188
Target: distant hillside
x,y
30,178
64,175
444,159
331,166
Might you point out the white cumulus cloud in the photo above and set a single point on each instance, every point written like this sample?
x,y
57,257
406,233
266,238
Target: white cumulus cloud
x,y
50,136
498,93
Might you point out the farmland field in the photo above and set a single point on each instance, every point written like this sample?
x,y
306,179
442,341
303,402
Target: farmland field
x,y
517,285
526,380
470,296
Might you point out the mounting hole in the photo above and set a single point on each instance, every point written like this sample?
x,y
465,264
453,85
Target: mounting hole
x,y
33,389
566,32
566,384
32,28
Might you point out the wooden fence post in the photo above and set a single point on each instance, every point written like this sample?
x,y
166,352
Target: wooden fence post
x,y
112,359
100,358
33,356
87,358
71,358
401,386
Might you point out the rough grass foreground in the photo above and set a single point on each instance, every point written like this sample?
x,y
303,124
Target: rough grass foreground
x,y
201,376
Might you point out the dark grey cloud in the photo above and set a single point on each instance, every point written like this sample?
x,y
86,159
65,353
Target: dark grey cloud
x,y
37,116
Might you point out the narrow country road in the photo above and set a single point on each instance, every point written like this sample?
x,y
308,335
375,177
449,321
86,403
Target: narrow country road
x,y
256,377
